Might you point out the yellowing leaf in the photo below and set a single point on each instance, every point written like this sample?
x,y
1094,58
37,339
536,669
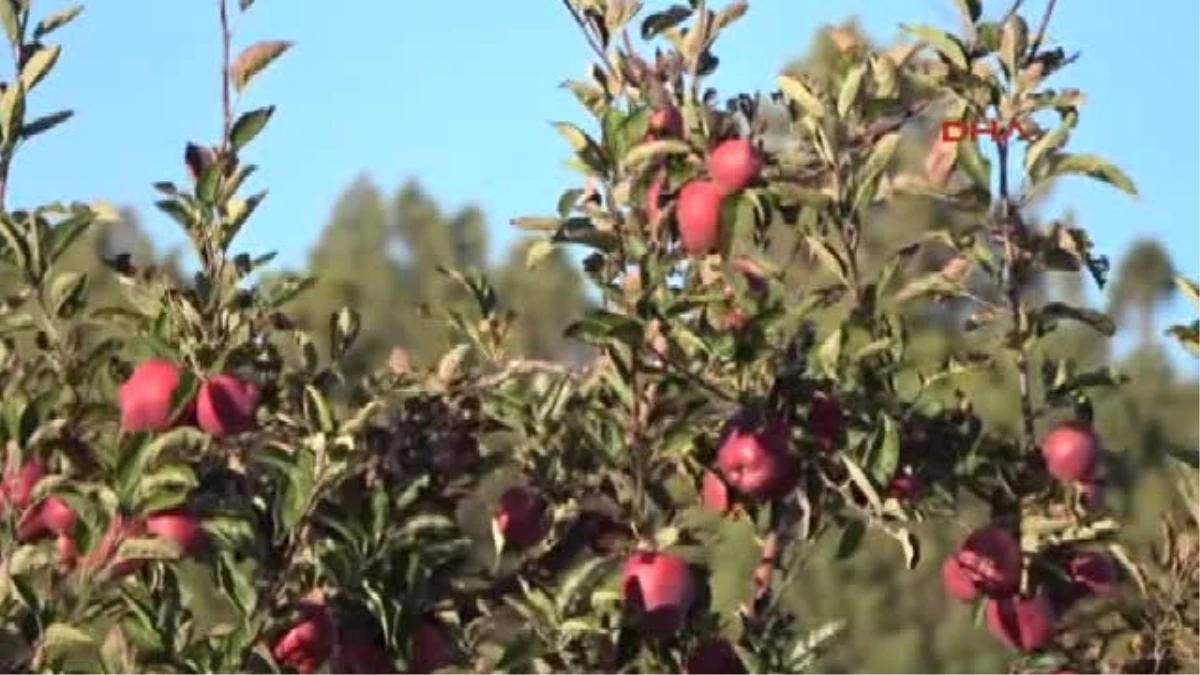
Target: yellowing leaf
x,y
946,44
38,65
254,59
797,91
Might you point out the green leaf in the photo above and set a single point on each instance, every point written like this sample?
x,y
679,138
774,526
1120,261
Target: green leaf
x,y
316,408
254,59
1049,143
1093,167
149,548
537,252
978,167
586,150
971,9
830,258
60,640
863,483
795,90
1187,336
851,539
248,126
38,65
66,291
45,123
884,455
55,21
1098,320
946,44
579,583
644,153
658,22
850,88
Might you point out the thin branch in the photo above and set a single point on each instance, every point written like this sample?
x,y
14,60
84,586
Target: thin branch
x,y
1009,222
591,39
1016,6
226,62
1040,36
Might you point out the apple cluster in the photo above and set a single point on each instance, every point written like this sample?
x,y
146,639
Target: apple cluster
x,y
989,563
732,165
224,404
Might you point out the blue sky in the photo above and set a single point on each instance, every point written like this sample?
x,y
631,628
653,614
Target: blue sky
x,y
460,94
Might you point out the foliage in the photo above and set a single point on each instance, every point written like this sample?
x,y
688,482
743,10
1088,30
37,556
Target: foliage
x,y
500,498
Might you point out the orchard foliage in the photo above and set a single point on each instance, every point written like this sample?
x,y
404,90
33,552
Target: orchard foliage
x,y
199,488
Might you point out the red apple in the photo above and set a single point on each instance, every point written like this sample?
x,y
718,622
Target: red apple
x,y
956,582
145,398
18,484
698,214
735,319
52,515
990,559
308,644
360,656
1071,451
666,123
904,486
67,552
661,586
522,516
430,648
714,656
178,525
1023,623
714,492
754,461
227,405
1093,571
825,421
734,164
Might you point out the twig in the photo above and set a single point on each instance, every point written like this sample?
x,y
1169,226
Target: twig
x,y
587,34
226,105
1009,222
1039,37
1016,6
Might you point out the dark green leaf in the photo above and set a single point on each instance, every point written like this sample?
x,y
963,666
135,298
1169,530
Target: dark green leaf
x,y
658,22
248,126
45,123
851,539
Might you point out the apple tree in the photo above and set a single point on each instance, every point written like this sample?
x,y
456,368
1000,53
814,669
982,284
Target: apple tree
x,y
205,490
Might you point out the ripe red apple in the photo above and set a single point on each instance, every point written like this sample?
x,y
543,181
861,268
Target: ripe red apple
x,y
1093,571
19,483
659,585
956,582
714,656
145,398
734,164
360,656
227,405
698,214
714,492
989,559
308,644
753,461
1023,623
666,123
905,486
52,515
430,648
825,421
522,516
178,525
1071,451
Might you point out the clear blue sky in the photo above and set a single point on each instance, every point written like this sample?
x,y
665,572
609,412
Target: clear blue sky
x,y
460,94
